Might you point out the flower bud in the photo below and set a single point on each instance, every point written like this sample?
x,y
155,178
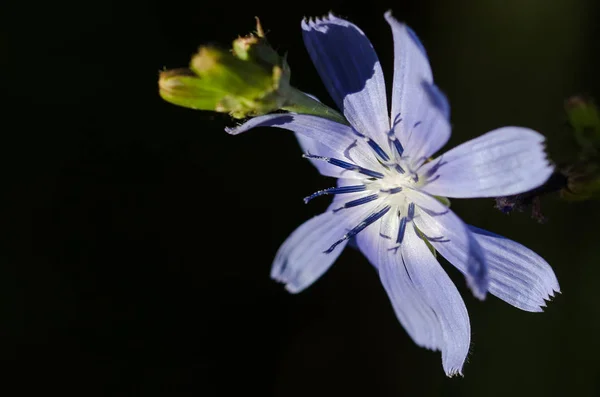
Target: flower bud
x,y
250,80
584,118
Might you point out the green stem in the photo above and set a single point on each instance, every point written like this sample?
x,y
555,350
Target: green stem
x,y
299,102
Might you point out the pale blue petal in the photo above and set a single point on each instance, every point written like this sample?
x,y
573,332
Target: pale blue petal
x,y
518,275
351,72
339,139
301,259
416,316
451,237
419,108
310,145
438,291
503,162
424,298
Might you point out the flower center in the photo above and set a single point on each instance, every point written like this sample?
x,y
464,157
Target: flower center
x,y
383,186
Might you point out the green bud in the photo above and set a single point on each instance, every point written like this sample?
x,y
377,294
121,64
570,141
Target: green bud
x,y
584,118
254,47
184,88
250,80
222,82
583,182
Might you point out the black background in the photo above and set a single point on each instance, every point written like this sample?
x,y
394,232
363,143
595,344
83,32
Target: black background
x,y
138,236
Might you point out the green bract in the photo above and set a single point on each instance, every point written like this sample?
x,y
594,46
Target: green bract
x,y
250,80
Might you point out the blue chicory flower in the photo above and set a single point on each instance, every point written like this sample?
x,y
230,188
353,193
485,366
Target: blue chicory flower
x,y
385,196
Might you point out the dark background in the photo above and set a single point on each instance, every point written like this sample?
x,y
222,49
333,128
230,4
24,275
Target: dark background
x,y
138,236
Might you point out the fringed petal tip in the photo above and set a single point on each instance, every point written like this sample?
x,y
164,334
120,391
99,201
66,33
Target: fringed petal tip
x,y
267,120
518,276
319,23
454,372
393,21
552,289
543,147
293,289
232,130
547,299
314,23
283,275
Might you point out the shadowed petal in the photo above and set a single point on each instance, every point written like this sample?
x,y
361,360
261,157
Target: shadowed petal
x,y
416,316
418,106
438,291
351,72
301,259
450,236
503,162
518,275
339,139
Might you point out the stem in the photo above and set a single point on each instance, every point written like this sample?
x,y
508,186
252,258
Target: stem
x,y
299,102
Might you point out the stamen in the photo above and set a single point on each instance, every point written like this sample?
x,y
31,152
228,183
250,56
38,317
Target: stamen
x,y
357,202
359,228
421,160
350,147
411,211
346,166
433,213
401,230
399,169
398,146
431,180
392,135
378,150
440,239
435,168
415,125
336,190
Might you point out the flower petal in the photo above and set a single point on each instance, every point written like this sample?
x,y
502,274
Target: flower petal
x,y
441,295
450,236
301,259
413,312
351,72
518,275
424,298
339,139
419,108
503,162
310,145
